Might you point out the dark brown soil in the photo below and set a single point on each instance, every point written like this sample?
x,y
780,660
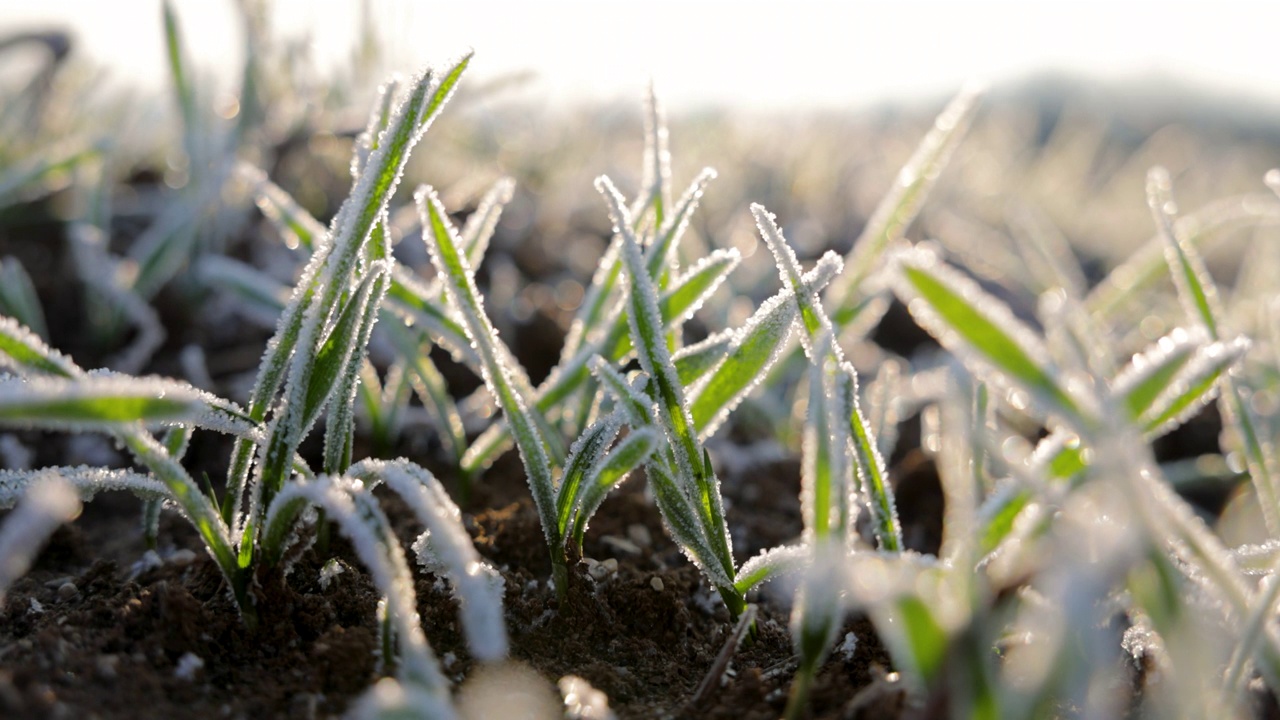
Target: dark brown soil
x,y
93,632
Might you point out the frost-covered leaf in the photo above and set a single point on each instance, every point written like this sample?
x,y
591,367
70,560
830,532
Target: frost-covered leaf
x,y
87,481
24,352
681,519
262,297
1193,387
694,361
1148,265
632,402
584,455
298,228
691,289
418,305
477,585
1151,372
1199,296
481,224
111,402
649,340
1196,288
903,202
610,472
984,334
770,564
340,426
451,265
756,346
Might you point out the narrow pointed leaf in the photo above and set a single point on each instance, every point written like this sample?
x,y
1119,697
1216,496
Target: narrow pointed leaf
x,y
983,332
760,342
900,206
607,474
451,265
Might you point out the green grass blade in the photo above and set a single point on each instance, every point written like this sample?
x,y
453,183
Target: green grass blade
x,y
261,296
649,339
647,335
693,362
756,346
481,224
183,91
984,334
607,474
1151,372
900,206
451,265
332,358
691,289
417,306
325,280
1193,388
584,454
108,403
1147,266
817,501
872,471
429,385
1199,297
770,564
683,524
340,427
379,117
1196,288
24,352
658,255
632,402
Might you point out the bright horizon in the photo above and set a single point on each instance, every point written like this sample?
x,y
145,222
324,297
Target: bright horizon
x,y
754,54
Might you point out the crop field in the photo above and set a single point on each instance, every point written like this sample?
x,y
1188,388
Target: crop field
x,y
317,401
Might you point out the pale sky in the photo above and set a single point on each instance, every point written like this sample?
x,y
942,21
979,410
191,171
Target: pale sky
x,y
761,54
